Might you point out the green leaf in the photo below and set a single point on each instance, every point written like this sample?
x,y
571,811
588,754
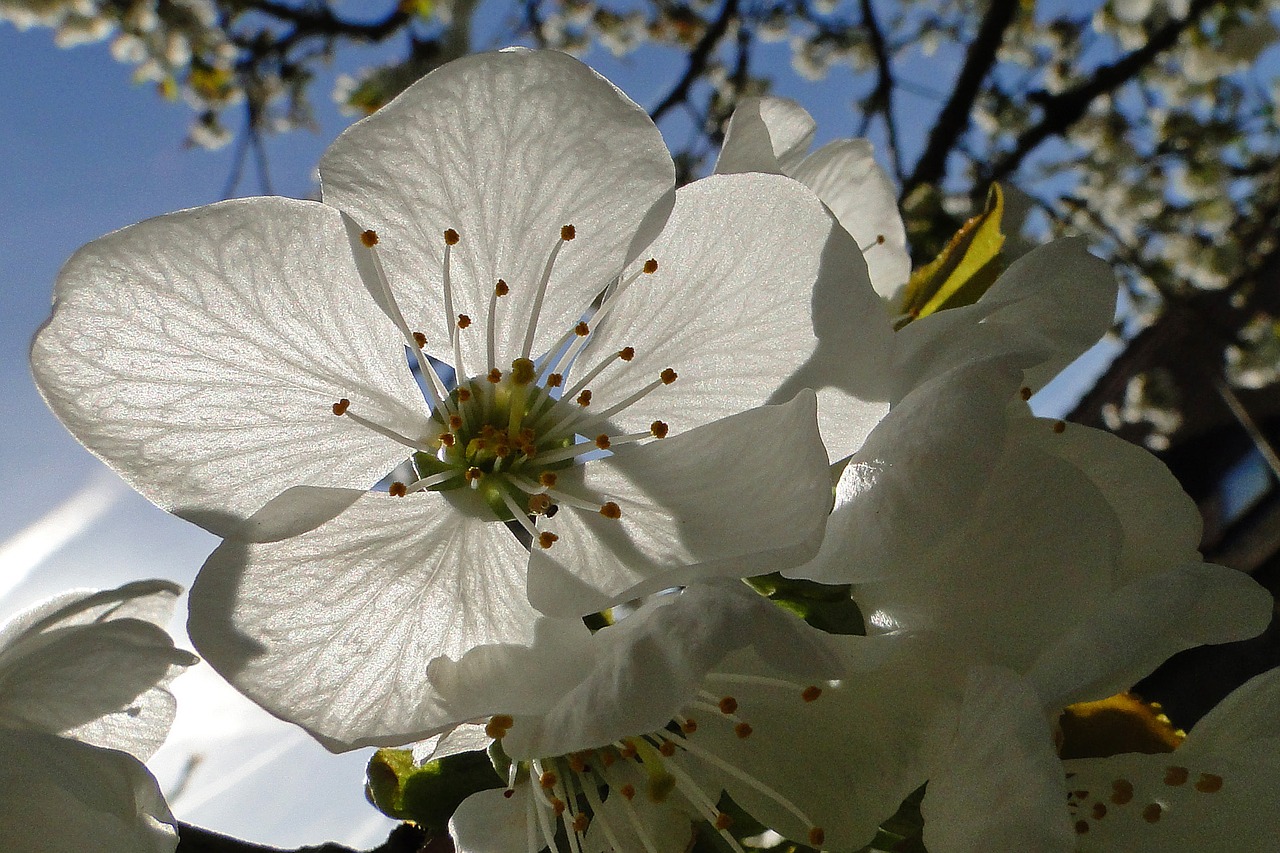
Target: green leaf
x,y
964,269
427,795
827,607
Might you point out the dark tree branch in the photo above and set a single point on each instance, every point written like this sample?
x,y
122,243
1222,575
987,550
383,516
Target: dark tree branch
x,y
405,838
881,98
953,121
698,60
1064,109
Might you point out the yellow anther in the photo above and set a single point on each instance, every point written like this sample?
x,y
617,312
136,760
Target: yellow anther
x,y
472,474
420,339
611,510
627,353
555,380
568,232
582,329
497,726
398,489
723,821
1209,783
1176,776
628,750
546,539
816,837
628,791
463,321
538,504
728,705
1059,427
451,237
523,371
446,438
548,780
340,407
584,399
668,376
659,429
501,289
811,693
464,395
689,726
455,422
580,823
650,266
1151,814
602,441
742,730
1121,791
495,376
547,478
369,238
667,749
557,806
577,764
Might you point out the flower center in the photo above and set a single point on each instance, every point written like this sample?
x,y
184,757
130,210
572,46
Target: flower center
x,y
506,433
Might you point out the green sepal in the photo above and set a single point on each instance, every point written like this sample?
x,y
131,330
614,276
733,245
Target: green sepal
x,y
827,607
965,268
429,794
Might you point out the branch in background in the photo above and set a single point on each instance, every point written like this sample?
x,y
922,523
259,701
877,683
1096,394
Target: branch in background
x,y
405,838
1064,109
698,59
953,121
881,98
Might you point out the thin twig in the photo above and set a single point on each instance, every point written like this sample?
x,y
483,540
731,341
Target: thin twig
x,y
698,59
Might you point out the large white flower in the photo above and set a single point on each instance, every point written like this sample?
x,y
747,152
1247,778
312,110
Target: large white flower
x,y
224,356
715,689
82,699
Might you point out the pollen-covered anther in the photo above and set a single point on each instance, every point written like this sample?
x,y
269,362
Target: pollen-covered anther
x,y
811,693
627,353
501,288
523,371
1151,813
628,750
369,238
1176,776
602,441
446,438
340,407
1059,427
582,329
398,489
1025,393
1099,811
555,380
1121,792
548,780
816,837
548,479
546,539
538,503
577,764
659,429
508,793
668,376
495,376
743,730
728,705
455,422
580,823
650,266
420,339
584,399
723,821
568,232
689,726
557,806
611,510
628,791
473,474
1209,783
463,321
451,237
464,395
498,725
668,748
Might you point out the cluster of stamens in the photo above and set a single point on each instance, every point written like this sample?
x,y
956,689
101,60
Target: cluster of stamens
x,y
1120,798
570,790
506,433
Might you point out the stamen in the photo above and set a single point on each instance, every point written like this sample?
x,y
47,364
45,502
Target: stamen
x,y
521,516
450,240
567,233
499,289
397,489
699,798
728,705
434,479
342,408
597,809
611,510
668,376
711,758
597,370
546,539
463,321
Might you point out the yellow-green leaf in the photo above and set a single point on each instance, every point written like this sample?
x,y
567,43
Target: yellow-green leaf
x,y
964,269
429,794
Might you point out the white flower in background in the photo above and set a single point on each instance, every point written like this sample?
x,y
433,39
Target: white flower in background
x,y
222,356
712,689
82,703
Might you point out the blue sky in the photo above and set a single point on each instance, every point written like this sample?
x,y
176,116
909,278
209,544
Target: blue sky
x,y
84,152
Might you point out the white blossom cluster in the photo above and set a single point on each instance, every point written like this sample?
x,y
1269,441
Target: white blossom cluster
x,y
505,381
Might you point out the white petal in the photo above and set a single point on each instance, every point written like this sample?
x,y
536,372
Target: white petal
x,y
745,495
845,760
999,784
62,796
1135,629
640,825
488,822
862,197
1162,525
641,672
505,148
918,475
363,629
464,738
1245,724
758,294
200,354
1206,803
149,600
765,135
